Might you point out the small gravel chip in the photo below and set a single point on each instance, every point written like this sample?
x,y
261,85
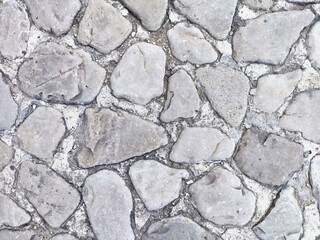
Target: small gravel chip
x,y
313,47
259,4
63,236
6,154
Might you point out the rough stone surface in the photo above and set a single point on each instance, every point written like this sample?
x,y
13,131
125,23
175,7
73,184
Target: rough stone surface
x,y
315,177
259,4
13,235
313,47
6,154
63,237
303,1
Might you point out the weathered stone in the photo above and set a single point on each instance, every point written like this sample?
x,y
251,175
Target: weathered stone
x,y
109,205
272,90
303,1
54,199
53,16
156,184
315,177
110,137
17,235
6,154
182,98
138,77
269,37
14,30
259,4
214,15
313,46
187,43
268,158
221,198
202,144
41,132
284,221
60,74
63,236
227,90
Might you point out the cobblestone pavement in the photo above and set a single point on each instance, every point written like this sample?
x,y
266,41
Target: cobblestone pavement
x,y
159,120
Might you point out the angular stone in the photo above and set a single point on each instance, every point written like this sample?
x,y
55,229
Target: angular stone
x,y
138,77
6,154
195,145
182,98
315,177
14,30
53,16
221,198
19,235
268,158
227,90
109,205
156,184
272,90
187,43
108,137
269,37
103,27
313,46
60,74
54,199
259,4
214,15
63,236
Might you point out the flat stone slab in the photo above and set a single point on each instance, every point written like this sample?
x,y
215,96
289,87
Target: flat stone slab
x,y
6,154
313,48
63,236
259,4
21,235
315,177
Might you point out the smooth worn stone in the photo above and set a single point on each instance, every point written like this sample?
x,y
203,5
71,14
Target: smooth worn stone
x,y
41,132
108,137
61,75
315,177
156,184
53,16
215,16
54,199
109,204
227,90
259,4
6,154
221,198
268,158
187,43
269,37
182,98
63,236
313,47
195,145
284,221
14,30
17,235
272,90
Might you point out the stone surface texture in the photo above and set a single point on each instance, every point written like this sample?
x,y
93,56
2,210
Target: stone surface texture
x,y
315,177
6,154
313,47
63,237
259,4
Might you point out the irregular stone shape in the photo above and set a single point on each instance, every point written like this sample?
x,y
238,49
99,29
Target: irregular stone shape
x,y
272,90
109,214
14,30
53,16
227,90
20,235
6,154
41,132
221,198
269,37
214,15
187,43
63,236
156,184
268,158
60,74
284,221
313,46
54,199
315,177
182,98
110,137
201,144
259,4
303,1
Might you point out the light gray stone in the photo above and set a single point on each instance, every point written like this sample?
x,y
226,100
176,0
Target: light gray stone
x,y
259,4
303,1
313,46
182,98
108,137
215,16
156,184
221,198
109,205
63,236
315,177
6,154
187,43
195,145
269,37
60,74
227,90
17,235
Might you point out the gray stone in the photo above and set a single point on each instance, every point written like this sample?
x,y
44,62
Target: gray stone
x,y
60,74
313,46
54,199
215,16
269,37
109,205
182,98
268,158
187,43
138,77
221,198
195,145
108,137
303,1
103,27
227,90
259,4
315,177
6,154
156,184
63,236
17,235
